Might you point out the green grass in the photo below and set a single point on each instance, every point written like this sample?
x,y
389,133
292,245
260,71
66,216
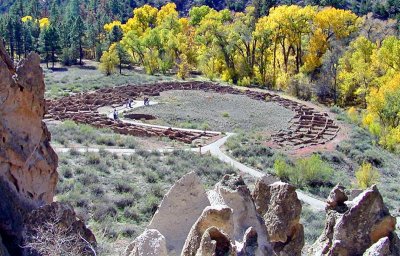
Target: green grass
x,y
74,79
70,132
248,149
313,222
117,195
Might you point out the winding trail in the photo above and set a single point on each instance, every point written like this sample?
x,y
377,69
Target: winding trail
x,y
213,148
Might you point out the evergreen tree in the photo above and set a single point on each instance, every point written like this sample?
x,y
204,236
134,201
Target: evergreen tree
x,y
77,37
49,44
28,41
34,8
18,38
116,34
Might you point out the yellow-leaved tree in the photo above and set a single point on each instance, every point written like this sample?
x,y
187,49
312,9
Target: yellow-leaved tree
x,y
367,175
329,24
108,62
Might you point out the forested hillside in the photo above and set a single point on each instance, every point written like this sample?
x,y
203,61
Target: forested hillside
x,y
383,9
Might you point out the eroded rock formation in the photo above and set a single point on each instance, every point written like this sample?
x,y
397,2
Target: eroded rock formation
x,y
28,175
27,161
236,195
278,204
266,221
220,218
354,226
179,210
229,222
150,243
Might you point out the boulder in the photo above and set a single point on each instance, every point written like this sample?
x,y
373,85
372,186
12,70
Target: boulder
x,y
336,198
235,194
27,161
352,232
278,204
150,243
54,229
380,248
218,216
179,210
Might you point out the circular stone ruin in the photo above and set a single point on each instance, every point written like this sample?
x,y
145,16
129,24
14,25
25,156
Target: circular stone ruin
x,y
307,127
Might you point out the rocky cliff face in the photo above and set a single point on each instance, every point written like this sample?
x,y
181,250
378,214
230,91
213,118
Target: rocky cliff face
x,y
27,162
29,225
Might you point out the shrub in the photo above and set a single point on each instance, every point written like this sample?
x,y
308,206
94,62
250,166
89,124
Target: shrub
x,y
93,158
104,210
225,114
353,115
124,201
335,109
367,175
282,169
314,170
123,187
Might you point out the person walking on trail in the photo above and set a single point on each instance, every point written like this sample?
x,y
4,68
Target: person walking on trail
x,y
130,103
146,101
115,113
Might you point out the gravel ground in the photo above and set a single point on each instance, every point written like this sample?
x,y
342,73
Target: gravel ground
x,y
213,111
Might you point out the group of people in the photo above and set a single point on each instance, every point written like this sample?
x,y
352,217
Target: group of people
x,y
128,104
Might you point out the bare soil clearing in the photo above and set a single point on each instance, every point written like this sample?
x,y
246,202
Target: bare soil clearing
x,y
220,112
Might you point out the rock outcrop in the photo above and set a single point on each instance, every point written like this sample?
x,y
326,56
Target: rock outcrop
x,y
27,161
278,204
234,193
352,229
266,222
179,209
28,175
150,243
220,217
233,221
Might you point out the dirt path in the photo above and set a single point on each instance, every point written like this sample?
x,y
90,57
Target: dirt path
x,y
214,149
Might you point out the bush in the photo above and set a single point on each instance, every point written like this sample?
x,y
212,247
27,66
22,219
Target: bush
x,y
300,86
282,169
353,115
104,210
314,170
367,175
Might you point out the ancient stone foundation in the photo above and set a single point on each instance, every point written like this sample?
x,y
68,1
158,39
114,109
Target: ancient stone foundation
x,y
308,127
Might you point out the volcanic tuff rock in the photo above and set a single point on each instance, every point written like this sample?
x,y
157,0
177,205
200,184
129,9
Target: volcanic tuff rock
x,y
279,206
236,195
221,218
353,230
236,220
150,243
179,209
27,161
28,175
